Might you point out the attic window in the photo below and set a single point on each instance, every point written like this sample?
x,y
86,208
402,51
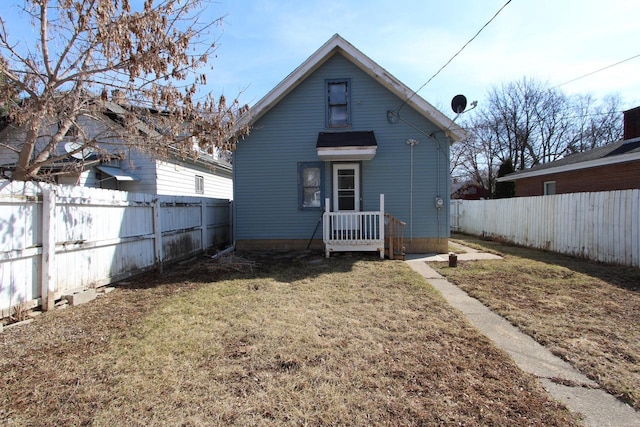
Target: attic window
x,y
338,103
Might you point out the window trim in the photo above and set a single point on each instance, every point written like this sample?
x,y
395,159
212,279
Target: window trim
x,y
301,167
328,105
199,184
545,186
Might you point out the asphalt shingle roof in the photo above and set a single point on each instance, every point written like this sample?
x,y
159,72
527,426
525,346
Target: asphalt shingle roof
x,y
609,150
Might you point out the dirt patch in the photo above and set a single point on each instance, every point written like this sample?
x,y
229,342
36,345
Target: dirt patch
x,y
287,340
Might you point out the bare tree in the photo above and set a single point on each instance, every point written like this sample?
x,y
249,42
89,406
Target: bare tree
x,y
553,127
594,124
88,50
512,109
527,123
477,156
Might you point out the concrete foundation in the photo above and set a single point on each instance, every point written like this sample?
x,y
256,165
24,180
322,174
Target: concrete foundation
x,y
418,245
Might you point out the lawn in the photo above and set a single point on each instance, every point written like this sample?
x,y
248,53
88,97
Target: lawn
x,y
266,341
587,313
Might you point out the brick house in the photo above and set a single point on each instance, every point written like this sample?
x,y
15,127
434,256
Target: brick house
x,y
615,166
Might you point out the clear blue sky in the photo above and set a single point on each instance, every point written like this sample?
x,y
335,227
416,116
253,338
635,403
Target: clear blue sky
x,y
555,41
551,40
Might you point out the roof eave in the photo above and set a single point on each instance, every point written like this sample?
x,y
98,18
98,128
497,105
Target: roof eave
x,y
622,158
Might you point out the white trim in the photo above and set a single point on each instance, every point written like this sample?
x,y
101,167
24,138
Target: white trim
x,y
346,153
545,186
338,44
621,158
356,171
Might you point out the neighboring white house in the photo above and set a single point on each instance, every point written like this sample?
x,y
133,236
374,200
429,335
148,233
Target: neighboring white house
x,y
203,175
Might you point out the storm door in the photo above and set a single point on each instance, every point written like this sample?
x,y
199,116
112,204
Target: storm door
x,y
346,195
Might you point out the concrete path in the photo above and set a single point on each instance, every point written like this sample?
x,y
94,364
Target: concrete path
x,y
582,395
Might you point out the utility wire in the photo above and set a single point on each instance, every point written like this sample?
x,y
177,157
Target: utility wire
x,y
597,71
453,57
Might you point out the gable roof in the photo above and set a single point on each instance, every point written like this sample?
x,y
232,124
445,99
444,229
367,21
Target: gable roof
x,y
616,152
337,44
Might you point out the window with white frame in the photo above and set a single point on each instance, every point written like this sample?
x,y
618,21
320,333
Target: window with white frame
x,y
338,103
549,188
199,184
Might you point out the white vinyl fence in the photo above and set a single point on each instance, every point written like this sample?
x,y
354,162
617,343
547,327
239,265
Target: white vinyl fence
x,y
59,239
602,226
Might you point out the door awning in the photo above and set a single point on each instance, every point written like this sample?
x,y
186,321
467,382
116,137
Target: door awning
x,y
346,146
118,173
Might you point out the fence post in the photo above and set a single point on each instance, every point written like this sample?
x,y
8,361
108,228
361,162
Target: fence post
x,y
47,286
157,231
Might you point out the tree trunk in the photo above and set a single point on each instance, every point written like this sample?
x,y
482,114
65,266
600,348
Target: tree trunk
x,y
23,171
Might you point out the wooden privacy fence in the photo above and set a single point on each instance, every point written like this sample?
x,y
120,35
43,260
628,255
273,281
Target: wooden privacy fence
x,y
59,239
601,226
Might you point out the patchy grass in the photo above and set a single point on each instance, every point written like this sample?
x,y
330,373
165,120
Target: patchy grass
x,y
455,249
585,312
292,341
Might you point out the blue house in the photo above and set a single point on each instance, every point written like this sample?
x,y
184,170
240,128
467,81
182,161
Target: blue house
x,y
344,157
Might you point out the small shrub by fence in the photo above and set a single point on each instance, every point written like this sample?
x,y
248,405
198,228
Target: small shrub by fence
x,y
58,239
601,226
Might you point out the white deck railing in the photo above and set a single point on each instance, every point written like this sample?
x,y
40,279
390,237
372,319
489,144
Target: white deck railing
x,y
353,231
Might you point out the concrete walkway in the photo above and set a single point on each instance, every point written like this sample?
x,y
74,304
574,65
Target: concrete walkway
x,y
582,395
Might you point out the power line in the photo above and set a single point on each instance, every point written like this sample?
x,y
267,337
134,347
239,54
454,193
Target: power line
x,y
597,71
453,57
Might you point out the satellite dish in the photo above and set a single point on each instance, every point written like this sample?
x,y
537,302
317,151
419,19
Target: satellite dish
x,y
80,155
458,104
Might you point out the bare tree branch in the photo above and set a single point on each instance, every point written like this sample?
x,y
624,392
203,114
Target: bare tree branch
x,y
86,49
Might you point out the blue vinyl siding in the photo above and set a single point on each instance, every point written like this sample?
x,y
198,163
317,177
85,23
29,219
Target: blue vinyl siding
x,y
265,163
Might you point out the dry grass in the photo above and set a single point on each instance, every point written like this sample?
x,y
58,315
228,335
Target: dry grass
x,y
587,313
290,341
